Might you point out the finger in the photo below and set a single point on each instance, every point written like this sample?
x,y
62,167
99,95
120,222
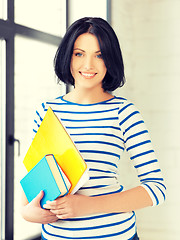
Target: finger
x,y
58,211
54,205
38,198
49,205
40,195
61,211
57,201
63,216
46,206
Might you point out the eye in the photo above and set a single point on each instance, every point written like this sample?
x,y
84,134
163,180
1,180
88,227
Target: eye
x,y
99,56
78,54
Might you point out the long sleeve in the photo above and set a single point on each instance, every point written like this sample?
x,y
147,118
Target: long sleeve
x,y
39,115
139,146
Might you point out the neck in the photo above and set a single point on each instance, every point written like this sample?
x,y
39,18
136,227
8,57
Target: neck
x,y
87,97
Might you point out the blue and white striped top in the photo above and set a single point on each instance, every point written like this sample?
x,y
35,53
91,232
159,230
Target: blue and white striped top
x,y
102,132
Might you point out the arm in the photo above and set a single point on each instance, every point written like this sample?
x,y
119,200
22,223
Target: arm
x,y
126,201
80,205
33,212
141,152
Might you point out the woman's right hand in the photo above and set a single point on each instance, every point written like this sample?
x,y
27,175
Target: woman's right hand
x,y
33,212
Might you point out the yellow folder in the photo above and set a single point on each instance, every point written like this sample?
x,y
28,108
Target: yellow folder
x,y
52,138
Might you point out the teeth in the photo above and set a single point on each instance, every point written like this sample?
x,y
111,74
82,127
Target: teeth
x,y
88,74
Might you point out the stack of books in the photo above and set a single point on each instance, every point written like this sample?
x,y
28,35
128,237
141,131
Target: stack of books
x,y
53,162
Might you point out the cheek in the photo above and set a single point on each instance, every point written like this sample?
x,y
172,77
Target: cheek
x,y
103,69
72,67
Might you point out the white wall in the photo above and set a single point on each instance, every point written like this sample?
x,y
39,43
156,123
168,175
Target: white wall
x,y
149,35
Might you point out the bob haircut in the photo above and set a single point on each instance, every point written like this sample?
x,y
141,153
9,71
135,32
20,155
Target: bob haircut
x,y
109,46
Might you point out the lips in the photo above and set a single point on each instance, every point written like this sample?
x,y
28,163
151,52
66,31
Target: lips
x,y
87,75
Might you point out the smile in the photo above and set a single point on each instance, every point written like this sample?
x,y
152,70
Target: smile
x,y
87,75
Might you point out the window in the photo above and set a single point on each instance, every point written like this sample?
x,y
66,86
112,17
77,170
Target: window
x,y
27,51
30,32
3,9
93,8
43,15
34,83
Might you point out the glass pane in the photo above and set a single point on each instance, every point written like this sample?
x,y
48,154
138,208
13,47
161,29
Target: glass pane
x,y
44,15
93,8
3,9
2,134
34,82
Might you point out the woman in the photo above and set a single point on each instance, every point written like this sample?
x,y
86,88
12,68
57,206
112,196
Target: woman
x,y
102,127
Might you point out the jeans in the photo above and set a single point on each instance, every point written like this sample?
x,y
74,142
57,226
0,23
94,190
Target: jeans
x,y
135,237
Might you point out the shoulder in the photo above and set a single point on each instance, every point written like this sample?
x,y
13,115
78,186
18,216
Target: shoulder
x,y
123,104
128,113
51,103
42,108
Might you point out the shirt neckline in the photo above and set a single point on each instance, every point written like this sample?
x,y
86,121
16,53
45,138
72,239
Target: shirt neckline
x,y
90,104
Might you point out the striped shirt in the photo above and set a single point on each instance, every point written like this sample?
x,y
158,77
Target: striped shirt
x,y
102,132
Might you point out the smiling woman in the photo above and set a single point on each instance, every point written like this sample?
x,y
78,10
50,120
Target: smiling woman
x,y
102,126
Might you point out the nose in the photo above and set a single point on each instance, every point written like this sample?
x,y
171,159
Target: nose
x,y
88,63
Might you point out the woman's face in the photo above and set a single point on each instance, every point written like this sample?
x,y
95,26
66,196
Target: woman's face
x,y
87,66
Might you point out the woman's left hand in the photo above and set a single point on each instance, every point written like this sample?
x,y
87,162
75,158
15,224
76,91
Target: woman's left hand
x,y
69,206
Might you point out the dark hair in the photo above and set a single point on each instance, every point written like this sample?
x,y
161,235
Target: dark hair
x,y
109,46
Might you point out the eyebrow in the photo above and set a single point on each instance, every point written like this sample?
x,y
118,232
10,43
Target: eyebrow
x,y
85,51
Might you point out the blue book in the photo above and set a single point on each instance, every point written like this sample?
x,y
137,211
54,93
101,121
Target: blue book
x,y
47,176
